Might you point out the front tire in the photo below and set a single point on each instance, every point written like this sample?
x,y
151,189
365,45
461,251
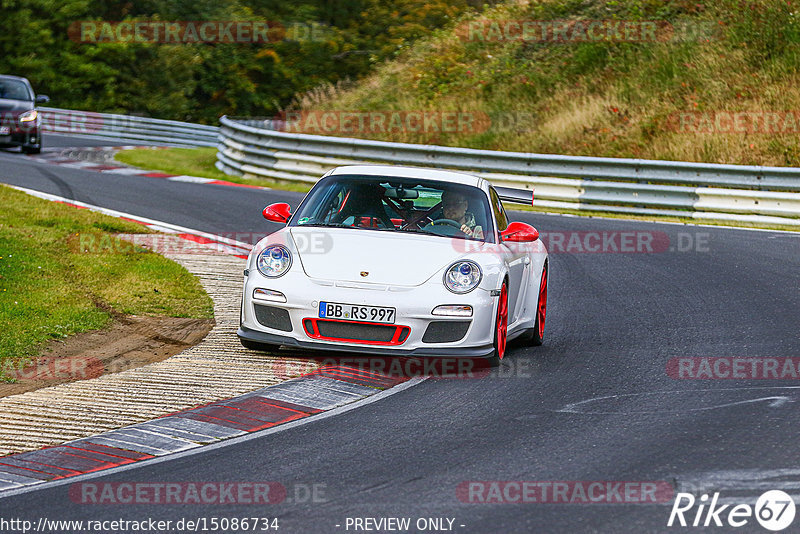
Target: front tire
x,y
33,149
537,336
500,328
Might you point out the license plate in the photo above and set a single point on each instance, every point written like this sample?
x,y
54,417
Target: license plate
x,y
356,312
5,130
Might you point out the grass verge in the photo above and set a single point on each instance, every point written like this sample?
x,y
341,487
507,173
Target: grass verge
x,y
671,97
50,289
195,162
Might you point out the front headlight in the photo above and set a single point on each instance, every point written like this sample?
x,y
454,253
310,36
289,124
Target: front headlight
x,y
29,116
274,261
463,277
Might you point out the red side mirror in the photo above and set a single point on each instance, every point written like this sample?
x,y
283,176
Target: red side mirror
x,y
278,213
520,232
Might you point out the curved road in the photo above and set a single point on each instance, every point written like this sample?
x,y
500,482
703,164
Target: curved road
x,y
595,403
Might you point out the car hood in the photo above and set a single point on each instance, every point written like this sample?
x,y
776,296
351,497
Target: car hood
x,y
398,259
15,105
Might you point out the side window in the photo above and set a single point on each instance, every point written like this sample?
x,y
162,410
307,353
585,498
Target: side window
x,y
499,211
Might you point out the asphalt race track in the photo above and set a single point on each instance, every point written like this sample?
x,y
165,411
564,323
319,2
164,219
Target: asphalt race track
x,y
595,403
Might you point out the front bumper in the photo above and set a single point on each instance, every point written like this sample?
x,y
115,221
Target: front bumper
x,y
413,306
28,137
441,352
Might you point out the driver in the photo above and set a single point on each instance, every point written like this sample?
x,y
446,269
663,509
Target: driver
x,y
454,207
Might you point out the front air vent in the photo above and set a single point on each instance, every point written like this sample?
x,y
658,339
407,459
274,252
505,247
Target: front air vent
x,y
273,317
445,331
356,332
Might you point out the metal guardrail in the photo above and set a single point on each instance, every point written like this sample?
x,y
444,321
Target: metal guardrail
x,y
127,128
763,195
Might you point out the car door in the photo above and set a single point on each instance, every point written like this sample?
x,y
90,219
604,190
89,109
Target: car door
x,y
517,259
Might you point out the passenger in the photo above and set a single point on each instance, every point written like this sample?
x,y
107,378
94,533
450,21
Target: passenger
x,y
365,204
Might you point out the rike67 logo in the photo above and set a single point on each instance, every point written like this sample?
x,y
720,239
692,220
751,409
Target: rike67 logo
x,y
774,510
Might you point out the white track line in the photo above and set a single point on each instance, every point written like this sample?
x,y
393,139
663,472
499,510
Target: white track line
x,y
225,443
156,225
231,441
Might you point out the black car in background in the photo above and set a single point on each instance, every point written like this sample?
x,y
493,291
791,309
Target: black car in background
x,y
19,120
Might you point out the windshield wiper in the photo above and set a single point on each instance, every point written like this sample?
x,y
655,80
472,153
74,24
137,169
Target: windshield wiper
x,y
324,225
421,231
342,225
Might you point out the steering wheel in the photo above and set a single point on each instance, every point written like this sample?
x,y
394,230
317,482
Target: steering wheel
x,y
449,222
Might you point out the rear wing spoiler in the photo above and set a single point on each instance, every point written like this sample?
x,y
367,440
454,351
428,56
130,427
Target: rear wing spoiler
x,y
520,196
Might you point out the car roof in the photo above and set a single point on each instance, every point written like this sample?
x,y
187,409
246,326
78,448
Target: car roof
x,y
410,172
10,77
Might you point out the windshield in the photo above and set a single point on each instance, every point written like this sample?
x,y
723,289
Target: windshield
x,y
394,204
14,90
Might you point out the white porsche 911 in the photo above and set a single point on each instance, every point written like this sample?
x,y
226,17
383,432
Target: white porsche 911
x,y
398,261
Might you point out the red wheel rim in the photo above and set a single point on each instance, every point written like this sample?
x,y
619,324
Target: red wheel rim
x,y
502,322
541,314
